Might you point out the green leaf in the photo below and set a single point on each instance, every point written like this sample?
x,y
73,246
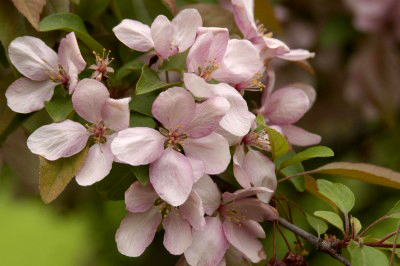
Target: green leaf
x,y
260,121
394,212
141,173
313,152
331,218
54,176
70,22
60,106
142,103
279,144
357,225
299,181
319,225
127,69
143,10
366,256
114,185
139,120
341,195
149,81
361,171
89,9
175,63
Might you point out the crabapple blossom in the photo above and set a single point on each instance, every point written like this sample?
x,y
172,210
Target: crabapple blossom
x,y
101,67
92,102
186,127
147,211
167,38
43,69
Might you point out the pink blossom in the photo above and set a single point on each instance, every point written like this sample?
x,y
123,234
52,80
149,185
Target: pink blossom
x,y
167,38
147,211
92,102
234,225
43,70
187,127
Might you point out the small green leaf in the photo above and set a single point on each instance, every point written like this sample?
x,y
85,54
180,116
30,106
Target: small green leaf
x,y
127,69
54,176
357,225
139,120
141,173
313,152
366,256
60,106
260,121
341,195
143,103
175,63
70,22
89,9
279,144
319,225
331,218
149,81
395,211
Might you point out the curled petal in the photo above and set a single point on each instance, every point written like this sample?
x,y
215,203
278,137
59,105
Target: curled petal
x,y
243,14
140,198
245,193
300,137
297,55
25,95
162,33
58,140
116,113
209,194
134,34
178,234
69,53
240,174
192,211
185,26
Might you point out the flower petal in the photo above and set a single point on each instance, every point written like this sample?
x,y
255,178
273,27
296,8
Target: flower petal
x,y
258,167
209,194
89,98
207,117
58,140
138,145
244,241
243,14
300,137
198,86
208,246
69,53
238,171
252,209
25,95
32,57
116,113
162,33
185,26
178,234
212,150
97,164
286,106
140,198
134,34
244,193
172,177
192,211
197,167
174,107
297,55
137,231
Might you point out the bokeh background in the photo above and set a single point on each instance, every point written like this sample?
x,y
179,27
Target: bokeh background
x,y
356,73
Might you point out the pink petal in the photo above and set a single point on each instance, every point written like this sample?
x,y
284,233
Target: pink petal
x,y
174,107
172,177
240,63
232,139
58,140
134,34
97,165
244,193
32,57
209,194
178,234
308,90
138,146
25,95
286,106
300,137
252,209
69,53
297,55
137,231
272,47
209,245
140,198
244,241
162,33
198,86
219,43
254,228
72,78
212,150
192,211
116,113
243,14
269,86
207,117
238,171
258,167
197,167
185,26
89,98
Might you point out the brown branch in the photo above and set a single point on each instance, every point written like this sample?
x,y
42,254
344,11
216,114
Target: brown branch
x,y
318,243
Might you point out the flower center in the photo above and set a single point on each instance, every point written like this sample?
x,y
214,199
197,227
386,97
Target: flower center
x,y
258,139
102,62
208,70
164,207
99,132
230,214
175,138
262,30
59,76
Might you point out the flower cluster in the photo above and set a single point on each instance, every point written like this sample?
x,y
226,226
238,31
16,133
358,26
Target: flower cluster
x,y
198,126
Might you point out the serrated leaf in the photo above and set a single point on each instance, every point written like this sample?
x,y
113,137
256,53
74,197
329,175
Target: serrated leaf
x,y
313,152
31,10
139,120
70,22
141,173
54,176
319,225
340,194
279,144
331,218
143,103
357,225
60,106
361,171
149,81
394,212
366,256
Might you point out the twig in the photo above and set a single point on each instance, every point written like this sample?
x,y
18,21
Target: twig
x,y
387,237
295,175
372,225
319,244
381,245
394,246
284,237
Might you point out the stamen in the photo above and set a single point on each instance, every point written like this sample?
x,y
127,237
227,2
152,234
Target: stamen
x,y
258,140
174,137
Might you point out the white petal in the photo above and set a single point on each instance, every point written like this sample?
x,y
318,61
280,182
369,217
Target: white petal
x,y
198,86
140,198
258,167
25,95
300,137
297,55
197,167
185,26
134,34
69,53
116,113
238,169
178,234
192,211
58,140
162,33
208,193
